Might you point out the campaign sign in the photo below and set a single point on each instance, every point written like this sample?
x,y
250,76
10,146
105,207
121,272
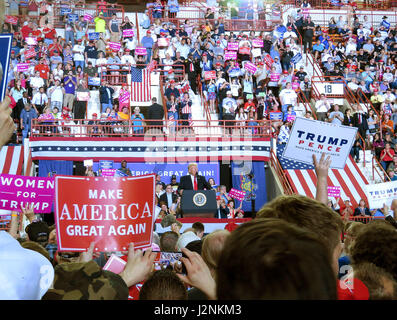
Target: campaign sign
x,y
23,67
106,164
65,11
380,194
236,194
73,17
115,264
108,172
21,190
256,52
296,58
93,36
310,137
208,75
30,53
112,212
244,50
82,95
141,51
230,55
94,81
232,46
257,43
124,98
115,46
268,60
334,191
128,33
31,41
88,17
291,117
249,66
274,77
11,19
163,42
275,115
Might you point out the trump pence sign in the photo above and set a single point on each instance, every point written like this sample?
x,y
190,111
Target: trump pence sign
x,y
310,137
110,211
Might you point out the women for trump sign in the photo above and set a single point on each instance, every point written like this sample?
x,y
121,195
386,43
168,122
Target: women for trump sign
x,y
310,137
112,212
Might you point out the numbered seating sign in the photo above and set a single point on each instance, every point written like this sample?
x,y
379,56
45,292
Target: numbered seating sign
x,y
329,88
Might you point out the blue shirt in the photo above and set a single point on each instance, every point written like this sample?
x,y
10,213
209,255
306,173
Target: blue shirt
x,y
147,42
27,116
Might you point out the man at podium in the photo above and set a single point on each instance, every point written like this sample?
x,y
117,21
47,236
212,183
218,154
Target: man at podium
x,y
193,181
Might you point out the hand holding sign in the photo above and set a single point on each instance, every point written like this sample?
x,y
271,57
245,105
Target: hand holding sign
x,y
87,255
138,266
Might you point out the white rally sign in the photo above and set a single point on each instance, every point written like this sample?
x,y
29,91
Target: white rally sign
x,y
381,193
310,137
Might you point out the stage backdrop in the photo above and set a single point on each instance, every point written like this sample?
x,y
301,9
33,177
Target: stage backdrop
x,y
250,178
167,170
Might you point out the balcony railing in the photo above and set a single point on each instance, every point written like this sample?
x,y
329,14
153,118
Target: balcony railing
x,y
90,128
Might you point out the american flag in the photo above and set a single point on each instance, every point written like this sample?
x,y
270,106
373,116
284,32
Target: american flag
x,y
140,85
303,179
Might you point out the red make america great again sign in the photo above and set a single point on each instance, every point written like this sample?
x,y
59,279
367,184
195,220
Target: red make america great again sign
x,y
110,211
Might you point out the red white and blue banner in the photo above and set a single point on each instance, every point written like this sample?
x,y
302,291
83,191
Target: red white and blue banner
x,y
151,149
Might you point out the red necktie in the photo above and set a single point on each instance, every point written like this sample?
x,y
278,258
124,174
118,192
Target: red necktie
x,y
195,183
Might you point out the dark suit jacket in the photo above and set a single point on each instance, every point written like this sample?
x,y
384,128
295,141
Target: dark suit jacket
x,y
364,124
156,111
164,198
104,97
186,183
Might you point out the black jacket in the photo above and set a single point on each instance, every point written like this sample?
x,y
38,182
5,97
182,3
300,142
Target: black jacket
x,y
186,183
104,97
156,112
164,198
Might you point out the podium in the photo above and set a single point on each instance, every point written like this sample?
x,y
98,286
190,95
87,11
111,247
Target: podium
x,y
200,203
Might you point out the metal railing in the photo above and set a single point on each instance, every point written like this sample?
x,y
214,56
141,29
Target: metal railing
x,y
106,127
275,163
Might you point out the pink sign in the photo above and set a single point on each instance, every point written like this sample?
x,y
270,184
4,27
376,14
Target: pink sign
x,y
23,67
230,55
291,117
31,41
274,77
249,66
20,190
236,194
108,172
115,46
163,42
11,19
128,33
115,264
141,51
88,17
124,98
334,192
30,53
244,50
232,46
257,43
